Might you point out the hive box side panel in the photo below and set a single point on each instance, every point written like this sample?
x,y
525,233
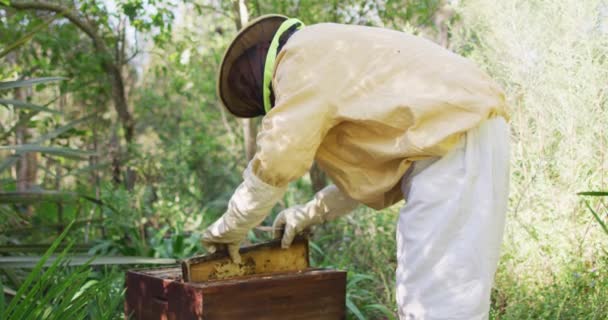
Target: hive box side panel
x,y
318,295
151,297
311,294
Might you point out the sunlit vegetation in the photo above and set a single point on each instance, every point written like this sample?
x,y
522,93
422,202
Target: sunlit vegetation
x,y
115,152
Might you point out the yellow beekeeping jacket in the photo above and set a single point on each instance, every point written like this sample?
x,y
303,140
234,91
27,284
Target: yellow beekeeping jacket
x,y
365,103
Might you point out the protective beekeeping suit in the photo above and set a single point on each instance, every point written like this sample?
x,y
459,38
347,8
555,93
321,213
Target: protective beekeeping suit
x,y
388,116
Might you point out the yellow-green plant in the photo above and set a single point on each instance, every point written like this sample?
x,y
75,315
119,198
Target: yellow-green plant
x,y
598,216
51,294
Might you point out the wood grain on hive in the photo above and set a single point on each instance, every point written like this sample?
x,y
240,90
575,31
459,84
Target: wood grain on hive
x,y
307,293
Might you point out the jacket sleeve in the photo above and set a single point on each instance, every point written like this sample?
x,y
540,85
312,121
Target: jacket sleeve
x,y
291,133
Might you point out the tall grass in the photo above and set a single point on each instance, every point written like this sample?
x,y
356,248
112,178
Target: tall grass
x,y
60,292
551,57
364,244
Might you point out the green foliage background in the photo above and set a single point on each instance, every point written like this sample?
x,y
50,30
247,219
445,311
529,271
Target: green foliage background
x,y
188,153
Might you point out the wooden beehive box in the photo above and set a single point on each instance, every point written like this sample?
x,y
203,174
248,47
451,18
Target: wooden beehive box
x,y
306,293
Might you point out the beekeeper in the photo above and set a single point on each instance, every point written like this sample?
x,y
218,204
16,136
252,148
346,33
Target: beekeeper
x,y
388,116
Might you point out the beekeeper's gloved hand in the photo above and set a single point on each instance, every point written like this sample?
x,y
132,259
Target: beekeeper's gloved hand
x,y
328,204
248,206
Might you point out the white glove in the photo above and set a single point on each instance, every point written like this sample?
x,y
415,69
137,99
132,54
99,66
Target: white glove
x,y
248,206
328,204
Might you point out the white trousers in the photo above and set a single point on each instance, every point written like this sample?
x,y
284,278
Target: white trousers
x,y
450,230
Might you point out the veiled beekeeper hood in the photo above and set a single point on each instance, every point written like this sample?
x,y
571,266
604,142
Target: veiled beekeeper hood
x,y
243,83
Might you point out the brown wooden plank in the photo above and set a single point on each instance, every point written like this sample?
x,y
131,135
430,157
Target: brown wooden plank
x,y
150,297
318,295
157,294
263,258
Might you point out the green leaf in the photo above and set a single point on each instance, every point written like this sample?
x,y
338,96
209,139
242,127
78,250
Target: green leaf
x,y
12,277
23,121
178,244
8,291
79,260
9,162
37,196
66,290
113,304
42,227
86,169
2,292
382,309
12,159
29,82
597,218
38,248
58,131
594,193
315,247
56,293
43,280
28,106
57,151
356,278
354,310
36,271
27,36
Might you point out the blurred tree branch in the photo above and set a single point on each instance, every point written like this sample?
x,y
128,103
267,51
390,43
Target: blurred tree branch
x,y
109,65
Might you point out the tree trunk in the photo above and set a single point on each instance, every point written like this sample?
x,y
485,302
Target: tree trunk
x,y
241,18
20,133
249,134
120,101
26,170
441,21
27,165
